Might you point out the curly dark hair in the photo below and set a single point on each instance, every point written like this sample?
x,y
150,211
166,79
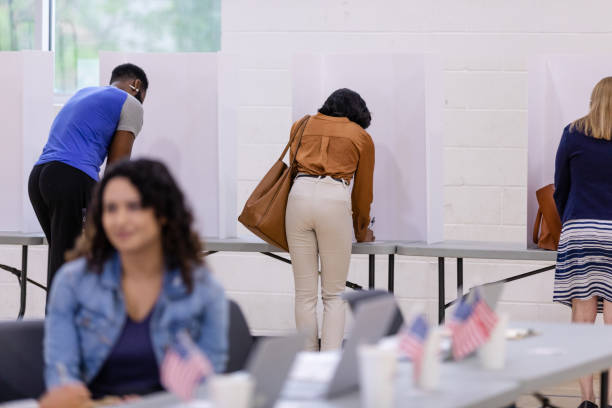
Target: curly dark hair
x,y
347,103
158,190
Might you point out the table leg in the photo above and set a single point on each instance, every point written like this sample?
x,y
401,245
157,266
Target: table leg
x,y
371,271
441,307
459,278
23,281
391,273
604,403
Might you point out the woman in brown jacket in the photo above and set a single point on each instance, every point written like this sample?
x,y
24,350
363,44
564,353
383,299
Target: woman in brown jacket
x,y
322,212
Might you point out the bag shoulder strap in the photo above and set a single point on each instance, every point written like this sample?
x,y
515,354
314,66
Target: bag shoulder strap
x,y
299,140
299,129
536,227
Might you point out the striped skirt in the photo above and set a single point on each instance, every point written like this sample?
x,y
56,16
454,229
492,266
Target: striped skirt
x,y
584,262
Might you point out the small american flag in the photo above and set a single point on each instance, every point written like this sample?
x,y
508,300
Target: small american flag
x,y
471,324
184,367
412,341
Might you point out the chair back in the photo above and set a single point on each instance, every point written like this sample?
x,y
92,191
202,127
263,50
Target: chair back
x,y
240,339
21,360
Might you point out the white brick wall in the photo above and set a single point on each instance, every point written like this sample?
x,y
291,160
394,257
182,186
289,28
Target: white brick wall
x,y
485,47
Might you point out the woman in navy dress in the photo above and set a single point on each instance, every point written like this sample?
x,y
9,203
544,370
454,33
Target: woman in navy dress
x,y
583,194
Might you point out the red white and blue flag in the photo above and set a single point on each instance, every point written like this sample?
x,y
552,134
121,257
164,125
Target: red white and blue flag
x,y
184,367
471,324
412,341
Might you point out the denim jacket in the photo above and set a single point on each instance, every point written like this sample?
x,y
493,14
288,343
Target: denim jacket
x,y
86,315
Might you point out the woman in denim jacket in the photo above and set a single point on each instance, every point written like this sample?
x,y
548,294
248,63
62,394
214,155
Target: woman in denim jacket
x,y
138,280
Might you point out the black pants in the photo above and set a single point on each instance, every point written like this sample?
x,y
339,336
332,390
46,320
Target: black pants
x,y
59,194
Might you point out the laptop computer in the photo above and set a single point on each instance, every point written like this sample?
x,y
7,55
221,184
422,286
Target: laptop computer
x,y
269,365
355,297
372,319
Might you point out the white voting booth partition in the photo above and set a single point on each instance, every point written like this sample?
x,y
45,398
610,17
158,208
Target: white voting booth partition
x,y
26,110
404,95
189,124
559,93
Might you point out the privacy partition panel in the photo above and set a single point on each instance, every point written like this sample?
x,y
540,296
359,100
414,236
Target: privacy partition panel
x,y
404,94
26,109
559,93
189,125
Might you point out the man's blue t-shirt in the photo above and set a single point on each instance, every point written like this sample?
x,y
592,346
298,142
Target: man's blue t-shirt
x,y
83,130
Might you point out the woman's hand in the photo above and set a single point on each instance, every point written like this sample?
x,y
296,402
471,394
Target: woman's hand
x,y
113,400
369,237
66,396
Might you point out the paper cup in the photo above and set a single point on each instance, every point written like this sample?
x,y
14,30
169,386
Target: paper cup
x,y
231,390
492,354
430,364
377,376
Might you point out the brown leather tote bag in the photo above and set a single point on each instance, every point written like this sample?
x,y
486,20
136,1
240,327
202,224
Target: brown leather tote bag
x,y
547,226
264,212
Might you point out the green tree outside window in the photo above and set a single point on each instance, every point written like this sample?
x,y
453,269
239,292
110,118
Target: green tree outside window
x,y
17,25
84,27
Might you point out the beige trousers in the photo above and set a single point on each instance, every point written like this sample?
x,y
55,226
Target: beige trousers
x,y
319,226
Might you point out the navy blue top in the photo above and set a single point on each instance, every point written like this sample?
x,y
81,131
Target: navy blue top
x,y
82,131
131,367
583,177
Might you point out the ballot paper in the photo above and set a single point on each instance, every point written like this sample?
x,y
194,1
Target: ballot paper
x,y
547,351
519,333
315,366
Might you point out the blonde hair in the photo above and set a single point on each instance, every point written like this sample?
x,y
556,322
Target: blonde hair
x,y
598,122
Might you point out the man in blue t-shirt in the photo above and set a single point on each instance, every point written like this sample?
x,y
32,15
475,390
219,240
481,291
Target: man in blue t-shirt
x,y
97,123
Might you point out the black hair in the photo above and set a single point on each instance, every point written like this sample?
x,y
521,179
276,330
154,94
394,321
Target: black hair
x,y
158,190
346,103
129,71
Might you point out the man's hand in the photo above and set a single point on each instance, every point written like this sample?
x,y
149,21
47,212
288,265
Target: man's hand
x,y
66,396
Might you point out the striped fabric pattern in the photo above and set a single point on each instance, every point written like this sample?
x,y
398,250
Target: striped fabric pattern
x,y
584,262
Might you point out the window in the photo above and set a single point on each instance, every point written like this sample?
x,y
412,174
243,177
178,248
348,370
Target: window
x,y
84,27
17,25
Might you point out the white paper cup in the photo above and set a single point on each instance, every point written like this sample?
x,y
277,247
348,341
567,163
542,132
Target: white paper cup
x,y
377,376
429,378
231,390
492,354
